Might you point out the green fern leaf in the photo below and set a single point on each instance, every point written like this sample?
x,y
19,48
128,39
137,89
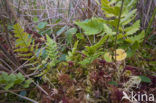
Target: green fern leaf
x,y
52,52
128,17
22,49
89,60
23,41
138,38
23,38
108,30
25,46
92,49
71,54
110,10
133,29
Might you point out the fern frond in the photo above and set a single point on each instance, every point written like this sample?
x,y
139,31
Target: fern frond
x,y
128,17
108,30
23,41
92,49
25,46
89,60
137,38
133,29
71,54
52,51
110,10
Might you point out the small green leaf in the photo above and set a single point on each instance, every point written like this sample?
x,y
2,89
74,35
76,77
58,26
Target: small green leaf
x,y
145,79
27,83
23,93
19,78
57,21
47,31
91,27
79,36
135,46
113,83
130,53
35,19
69,34
108,57
5,77
42,25
12,77
60,31
62,57
8,86
71,31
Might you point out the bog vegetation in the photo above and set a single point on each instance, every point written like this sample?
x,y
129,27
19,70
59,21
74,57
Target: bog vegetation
x,y
77,51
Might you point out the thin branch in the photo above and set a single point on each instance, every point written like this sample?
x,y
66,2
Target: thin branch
x,y
9,43
12,12
7,55
6,64
24,97
148,11
3,68
117,32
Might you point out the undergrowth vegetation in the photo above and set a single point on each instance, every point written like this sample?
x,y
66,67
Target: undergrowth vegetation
x,y
98,58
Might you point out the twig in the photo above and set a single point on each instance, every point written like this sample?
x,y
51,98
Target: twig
x,y
48,14
89,11
117,32
24,97
149,8
89,40
9,43
7,55
11,10
41,88
18,90
76,5
3,68
149,25
6,64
